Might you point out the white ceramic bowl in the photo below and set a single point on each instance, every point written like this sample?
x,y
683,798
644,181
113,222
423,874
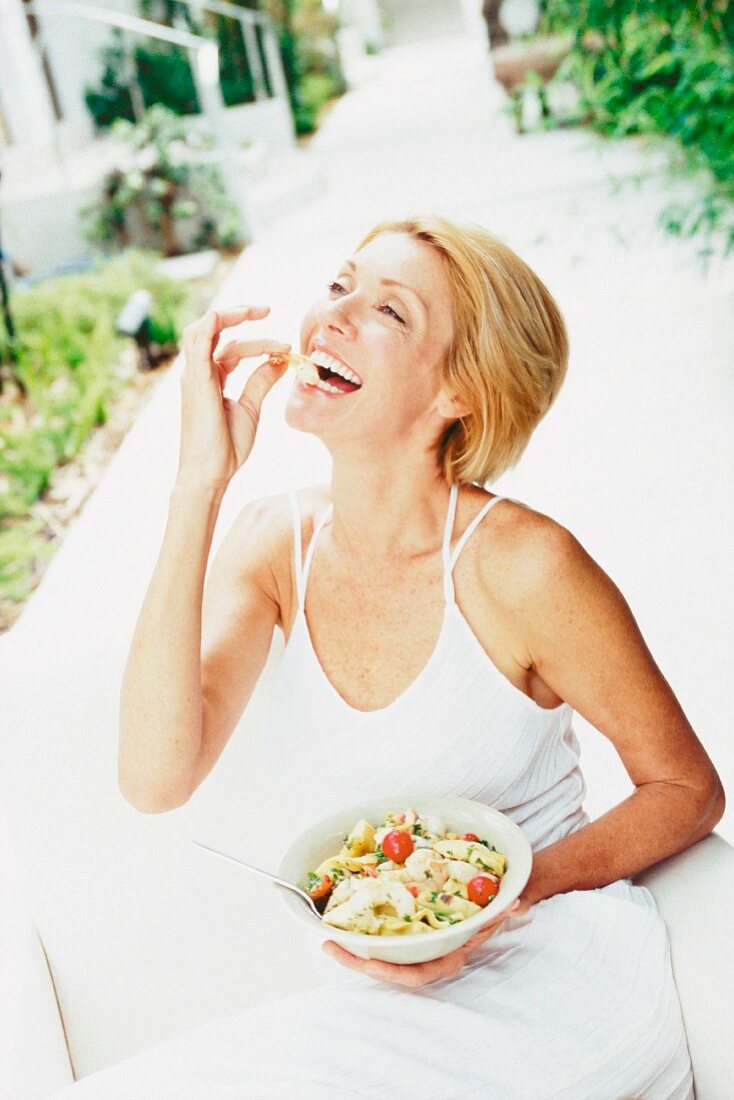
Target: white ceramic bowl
x,y
325,838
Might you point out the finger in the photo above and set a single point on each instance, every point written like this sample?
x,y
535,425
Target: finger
x,y
236,350
239,313
412,975
258,385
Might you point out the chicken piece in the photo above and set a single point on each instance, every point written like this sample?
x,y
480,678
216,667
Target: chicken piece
x,y
434,825
427,868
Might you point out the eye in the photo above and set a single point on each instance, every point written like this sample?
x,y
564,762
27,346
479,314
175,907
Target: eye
x,y
336,287
395,315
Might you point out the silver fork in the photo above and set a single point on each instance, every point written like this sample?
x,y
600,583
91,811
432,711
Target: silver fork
x,y
266,874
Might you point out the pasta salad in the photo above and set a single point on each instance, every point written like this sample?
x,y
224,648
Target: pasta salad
x,y
407,876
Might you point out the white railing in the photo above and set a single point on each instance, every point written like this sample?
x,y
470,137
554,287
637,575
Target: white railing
x,y
203,51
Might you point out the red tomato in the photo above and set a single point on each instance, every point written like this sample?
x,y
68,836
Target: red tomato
x,y
481,889
413,890
397,845
469,836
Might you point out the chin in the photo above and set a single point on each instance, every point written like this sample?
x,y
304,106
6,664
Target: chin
x,y
300,418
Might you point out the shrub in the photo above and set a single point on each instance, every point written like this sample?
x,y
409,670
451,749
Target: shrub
x,y
68,359
160,183
662,69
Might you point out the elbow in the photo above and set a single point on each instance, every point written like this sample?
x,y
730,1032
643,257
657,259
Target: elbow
x,y
153,800
711,804
717,802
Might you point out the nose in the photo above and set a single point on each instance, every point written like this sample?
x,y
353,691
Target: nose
x,y
337,317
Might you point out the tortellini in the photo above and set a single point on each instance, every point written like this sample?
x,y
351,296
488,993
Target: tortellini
x,y
370,893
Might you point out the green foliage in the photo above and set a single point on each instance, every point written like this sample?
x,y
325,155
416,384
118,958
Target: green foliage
x,y
68,358
161,183
310,58
162,73
666,69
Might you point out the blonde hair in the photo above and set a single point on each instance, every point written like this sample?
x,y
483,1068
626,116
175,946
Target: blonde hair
x,y
509,354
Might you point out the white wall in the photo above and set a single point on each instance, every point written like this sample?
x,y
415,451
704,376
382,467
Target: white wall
x,y
23,91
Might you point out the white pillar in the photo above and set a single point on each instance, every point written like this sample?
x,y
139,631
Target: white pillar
x,y
364,16
23,89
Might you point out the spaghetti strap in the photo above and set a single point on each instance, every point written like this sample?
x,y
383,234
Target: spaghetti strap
x,y
309,556
448,586
453,557
297,546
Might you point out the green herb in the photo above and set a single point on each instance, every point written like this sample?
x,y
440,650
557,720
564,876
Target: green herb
x,y
381,857
418,829
434,895
313,879
409,919
458,894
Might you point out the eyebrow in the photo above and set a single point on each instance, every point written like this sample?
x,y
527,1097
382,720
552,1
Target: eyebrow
x,y
394,282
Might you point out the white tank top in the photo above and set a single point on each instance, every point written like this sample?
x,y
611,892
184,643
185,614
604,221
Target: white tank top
x,y
461,728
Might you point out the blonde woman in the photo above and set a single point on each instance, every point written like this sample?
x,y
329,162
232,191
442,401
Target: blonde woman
x,y
438,636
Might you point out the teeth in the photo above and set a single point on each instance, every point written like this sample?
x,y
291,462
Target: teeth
x,y
324,360
320,385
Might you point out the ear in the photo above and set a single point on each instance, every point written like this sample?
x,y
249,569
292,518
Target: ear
x,y
450,407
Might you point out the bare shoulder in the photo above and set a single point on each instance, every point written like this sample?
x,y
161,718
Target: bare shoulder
x,y
261,538
524,552
558,600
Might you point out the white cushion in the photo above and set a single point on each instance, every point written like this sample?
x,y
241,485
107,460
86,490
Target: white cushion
x,y
693,894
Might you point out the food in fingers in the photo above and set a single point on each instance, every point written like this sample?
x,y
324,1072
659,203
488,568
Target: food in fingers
x,y
302,365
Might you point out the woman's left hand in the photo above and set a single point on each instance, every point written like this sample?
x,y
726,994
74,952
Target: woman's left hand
x,y
415,975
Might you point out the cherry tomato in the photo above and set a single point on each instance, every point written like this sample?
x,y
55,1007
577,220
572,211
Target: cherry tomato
x,y
469,836
481,889
413,890
397,845
322,888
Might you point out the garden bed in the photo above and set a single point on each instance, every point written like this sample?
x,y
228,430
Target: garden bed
x,y
30,535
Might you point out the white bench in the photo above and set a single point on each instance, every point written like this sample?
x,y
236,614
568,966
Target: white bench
x,y
692,890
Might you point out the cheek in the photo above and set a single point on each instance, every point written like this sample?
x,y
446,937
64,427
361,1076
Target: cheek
x,y
309,324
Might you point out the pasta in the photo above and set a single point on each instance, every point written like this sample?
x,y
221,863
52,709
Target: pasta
x,y
405,877
302,365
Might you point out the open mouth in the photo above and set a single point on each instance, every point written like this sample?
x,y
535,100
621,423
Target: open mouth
x,y
335,376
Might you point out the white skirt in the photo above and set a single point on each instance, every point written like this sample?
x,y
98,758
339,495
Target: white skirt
x,y
573,1001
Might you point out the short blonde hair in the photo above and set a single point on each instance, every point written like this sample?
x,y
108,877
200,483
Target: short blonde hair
x,y
509,354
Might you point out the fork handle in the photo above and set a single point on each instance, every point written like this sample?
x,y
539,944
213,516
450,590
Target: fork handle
x,y
241,862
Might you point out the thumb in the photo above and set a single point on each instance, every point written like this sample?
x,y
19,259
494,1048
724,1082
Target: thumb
x,y
260,382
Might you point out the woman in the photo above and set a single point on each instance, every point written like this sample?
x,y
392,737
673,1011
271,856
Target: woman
x,y
450,635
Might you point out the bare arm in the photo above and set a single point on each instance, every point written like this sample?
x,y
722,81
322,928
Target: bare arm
x,y
165,713
197,655
584,642
161,701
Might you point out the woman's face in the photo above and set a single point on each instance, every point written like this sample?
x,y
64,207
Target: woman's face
x,y
387,316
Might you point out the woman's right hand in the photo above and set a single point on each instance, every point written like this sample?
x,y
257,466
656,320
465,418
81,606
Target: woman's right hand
x,y
217,433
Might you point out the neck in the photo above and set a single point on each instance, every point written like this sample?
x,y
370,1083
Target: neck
x,y
386,510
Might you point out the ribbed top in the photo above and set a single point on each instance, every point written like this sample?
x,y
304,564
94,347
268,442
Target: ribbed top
x,y
461,728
